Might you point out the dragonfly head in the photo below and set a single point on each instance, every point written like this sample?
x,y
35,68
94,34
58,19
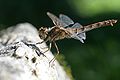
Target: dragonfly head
x,y
43,32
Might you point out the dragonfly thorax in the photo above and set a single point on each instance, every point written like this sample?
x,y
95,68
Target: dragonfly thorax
x,y
57,33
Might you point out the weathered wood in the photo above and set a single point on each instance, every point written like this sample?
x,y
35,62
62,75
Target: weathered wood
x,y
22,59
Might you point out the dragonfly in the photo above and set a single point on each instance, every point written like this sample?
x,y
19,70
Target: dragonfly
x,y
64,27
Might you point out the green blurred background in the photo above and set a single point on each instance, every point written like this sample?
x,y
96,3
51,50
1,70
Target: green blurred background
x,y
98,58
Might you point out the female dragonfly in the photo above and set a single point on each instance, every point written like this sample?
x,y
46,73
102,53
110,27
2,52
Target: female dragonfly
x,y
66,28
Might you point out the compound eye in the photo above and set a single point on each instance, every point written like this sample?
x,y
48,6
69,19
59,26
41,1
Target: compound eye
x,y
41,36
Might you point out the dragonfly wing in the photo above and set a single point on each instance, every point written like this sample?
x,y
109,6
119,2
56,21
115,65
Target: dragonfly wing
x,y
66,20
80,36
55,19
77,25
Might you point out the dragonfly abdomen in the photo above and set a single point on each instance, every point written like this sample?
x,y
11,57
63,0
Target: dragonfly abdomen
x,y
96,25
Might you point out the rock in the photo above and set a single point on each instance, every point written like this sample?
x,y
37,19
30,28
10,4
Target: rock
x,y
22,59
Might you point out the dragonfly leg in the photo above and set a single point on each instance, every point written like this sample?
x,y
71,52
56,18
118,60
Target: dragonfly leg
x,y
40,42
56,54
44,47
48,48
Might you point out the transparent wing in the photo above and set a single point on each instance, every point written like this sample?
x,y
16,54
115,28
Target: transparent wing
x,y
55,19
77,25
80,36
66,20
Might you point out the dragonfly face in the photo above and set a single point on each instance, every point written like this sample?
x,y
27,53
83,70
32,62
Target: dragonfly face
x,y
43,32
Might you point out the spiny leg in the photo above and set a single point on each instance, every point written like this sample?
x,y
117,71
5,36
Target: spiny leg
x,y
43,42
48,48
56,54
40,42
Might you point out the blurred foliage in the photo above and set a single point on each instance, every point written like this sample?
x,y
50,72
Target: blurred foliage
x,y
62,62
99,57
93,7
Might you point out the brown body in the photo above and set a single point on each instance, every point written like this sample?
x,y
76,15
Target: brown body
x,y
93,26
59,31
